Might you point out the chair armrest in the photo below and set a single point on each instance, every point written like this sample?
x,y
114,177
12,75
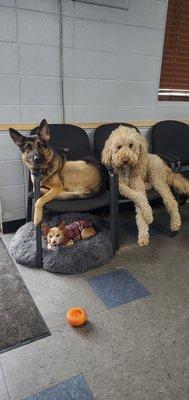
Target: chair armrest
x,y
173,157
31,194
113,182
177,160
109,169
173,161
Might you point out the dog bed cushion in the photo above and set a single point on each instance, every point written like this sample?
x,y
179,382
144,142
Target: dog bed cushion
x,y
82,256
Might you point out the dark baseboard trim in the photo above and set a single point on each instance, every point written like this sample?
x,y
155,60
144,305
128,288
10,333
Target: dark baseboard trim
x,y
12,226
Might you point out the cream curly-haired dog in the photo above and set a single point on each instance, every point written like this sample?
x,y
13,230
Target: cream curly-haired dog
x,y
127,152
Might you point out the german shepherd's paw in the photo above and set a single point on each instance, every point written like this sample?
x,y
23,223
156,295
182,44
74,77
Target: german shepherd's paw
x,y
37,215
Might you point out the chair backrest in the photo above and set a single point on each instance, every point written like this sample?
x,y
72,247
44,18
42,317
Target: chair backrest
x,y
103,132
69,136
171,137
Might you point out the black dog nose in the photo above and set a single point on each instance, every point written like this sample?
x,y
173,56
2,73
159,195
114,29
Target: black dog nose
x,y
36,158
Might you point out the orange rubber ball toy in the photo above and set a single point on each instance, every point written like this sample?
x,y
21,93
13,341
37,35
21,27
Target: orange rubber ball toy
x,y
76,316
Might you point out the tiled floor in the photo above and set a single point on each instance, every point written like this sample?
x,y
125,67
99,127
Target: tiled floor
x,y
117,288
73,388
134,347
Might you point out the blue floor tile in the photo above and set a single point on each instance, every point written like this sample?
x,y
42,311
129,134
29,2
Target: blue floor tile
x,y
72,389
132,229
117,288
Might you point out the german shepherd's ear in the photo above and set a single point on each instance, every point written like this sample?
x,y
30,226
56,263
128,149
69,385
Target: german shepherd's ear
x,y
43,131
62,226
17,138
45,229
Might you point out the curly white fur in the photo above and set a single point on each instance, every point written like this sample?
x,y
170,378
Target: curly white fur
x,y
127,152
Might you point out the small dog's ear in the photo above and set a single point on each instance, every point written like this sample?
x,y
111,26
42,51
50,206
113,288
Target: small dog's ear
x,y
17,138
43,131
45,229
62,226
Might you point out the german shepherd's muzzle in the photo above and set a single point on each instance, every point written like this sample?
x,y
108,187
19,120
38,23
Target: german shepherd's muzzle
x,y
59,177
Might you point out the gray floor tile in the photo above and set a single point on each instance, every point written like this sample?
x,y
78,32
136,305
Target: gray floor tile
x,y
54,304
36,366
3,390
147,324
118,260
39,281
7,238
160,317
141,376
107,337
177,360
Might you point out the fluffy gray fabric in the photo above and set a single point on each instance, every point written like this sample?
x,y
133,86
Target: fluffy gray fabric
x,y
83,256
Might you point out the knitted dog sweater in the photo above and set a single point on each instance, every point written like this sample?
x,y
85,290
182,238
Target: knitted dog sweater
x,y
73,231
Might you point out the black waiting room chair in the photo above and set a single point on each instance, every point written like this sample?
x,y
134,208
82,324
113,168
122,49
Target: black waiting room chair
x,y
76,140
170,140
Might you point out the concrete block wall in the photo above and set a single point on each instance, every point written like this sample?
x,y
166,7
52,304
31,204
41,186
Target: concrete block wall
x,y
111,65
29,85
117,63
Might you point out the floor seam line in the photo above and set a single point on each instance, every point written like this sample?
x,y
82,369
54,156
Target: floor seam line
x,y
4,380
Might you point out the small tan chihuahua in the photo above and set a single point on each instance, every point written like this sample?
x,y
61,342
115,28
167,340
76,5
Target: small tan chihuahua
x,y
67,234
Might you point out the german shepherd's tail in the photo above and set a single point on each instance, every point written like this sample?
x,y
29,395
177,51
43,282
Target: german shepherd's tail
x,y
178,181
79,195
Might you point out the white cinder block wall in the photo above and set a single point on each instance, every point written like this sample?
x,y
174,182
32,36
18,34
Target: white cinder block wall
x,y
111,62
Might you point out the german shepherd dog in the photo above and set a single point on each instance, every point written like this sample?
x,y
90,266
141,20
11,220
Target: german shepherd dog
x,y
59,177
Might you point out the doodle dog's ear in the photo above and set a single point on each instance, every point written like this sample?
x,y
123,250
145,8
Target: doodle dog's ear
x,y
143,157
107,153
143,147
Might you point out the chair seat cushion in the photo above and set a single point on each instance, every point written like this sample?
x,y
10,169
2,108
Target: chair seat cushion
x,y
79,204
84,255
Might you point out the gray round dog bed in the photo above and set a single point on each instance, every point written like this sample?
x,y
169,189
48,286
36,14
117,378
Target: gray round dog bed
x,y
83,256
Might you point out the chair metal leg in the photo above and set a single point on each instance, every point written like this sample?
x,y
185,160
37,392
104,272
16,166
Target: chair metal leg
x,y
166,230
114,219
38,227
116,207
165,227
29,200
29,209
